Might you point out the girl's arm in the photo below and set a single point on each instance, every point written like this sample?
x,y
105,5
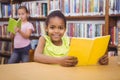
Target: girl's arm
x,y
12,35
26,35
39,57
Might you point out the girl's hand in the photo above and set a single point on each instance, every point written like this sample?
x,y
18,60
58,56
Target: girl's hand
x,y
104,60
68,61
12,35
17,29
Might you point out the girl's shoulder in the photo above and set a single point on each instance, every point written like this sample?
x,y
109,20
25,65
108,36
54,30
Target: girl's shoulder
x,y
41,38
66,40
46,37
29,25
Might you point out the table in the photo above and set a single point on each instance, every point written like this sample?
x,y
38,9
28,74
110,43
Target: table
x,y
39,71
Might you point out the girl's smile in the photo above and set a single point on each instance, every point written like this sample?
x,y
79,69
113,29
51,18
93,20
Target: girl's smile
x,y
56,29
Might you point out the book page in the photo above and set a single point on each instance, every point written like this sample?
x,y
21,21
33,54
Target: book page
x,y
12,24
98,49
88,50
81,48
19,23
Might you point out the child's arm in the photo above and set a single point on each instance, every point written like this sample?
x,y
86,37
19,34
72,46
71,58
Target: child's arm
x,y
12,35
26,35
39,57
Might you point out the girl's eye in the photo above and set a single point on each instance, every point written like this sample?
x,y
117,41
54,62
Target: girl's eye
x,y
61,27
52,27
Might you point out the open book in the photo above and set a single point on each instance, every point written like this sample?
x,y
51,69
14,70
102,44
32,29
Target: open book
x,y
88,50
12,24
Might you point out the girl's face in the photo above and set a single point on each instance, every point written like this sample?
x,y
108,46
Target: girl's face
x,y
56,29
22,14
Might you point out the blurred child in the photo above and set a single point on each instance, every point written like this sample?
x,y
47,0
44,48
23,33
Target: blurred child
x,y
21,38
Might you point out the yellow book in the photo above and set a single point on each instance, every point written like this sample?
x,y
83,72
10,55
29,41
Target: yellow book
x,y
12,24
88,50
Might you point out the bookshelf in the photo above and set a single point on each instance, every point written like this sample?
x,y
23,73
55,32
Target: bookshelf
x,y
5,40
109,19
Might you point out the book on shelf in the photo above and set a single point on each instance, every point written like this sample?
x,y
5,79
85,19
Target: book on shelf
x,y
88,50
5,47
90,30
12,24
3,60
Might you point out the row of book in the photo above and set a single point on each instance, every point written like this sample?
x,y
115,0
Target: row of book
x,y
68,7
114,6
36,9
39,27
86,30
3,60
113,31
5,10
75,28
79,7
5,47
3,29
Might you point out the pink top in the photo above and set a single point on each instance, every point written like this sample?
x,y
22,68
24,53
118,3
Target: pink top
x,y
19,41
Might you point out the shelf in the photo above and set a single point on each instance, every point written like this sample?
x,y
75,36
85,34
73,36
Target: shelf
x,y
5,39
5,1
19,1
72,18
115,15
37,18
4,19
34,37
85,17
5,54
67,17
31,19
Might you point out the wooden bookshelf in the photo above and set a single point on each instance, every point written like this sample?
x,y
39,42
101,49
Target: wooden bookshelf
x,y
5,54
5,39
107,18
4,19
115,15
37,18
19,1
34,37
5,1
94,17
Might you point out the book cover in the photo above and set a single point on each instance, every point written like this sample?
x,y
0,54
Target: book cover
x,y
88,50
12,24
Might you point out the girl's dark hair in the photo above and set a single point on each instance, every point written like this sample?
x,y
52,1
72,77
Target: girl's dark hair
x,y
23,7
56,13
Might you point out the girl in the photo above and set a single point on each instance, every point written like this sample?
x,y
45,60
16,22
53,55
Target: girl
x,y
53,47
21,38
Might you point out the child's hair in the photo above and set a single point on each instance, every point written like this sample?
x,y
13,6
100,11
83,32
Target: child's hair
x,y
23,7
56,13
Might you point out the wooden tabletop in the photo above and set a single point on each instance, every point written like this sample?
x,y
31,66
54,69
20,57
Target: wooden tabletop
x,y
38,71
